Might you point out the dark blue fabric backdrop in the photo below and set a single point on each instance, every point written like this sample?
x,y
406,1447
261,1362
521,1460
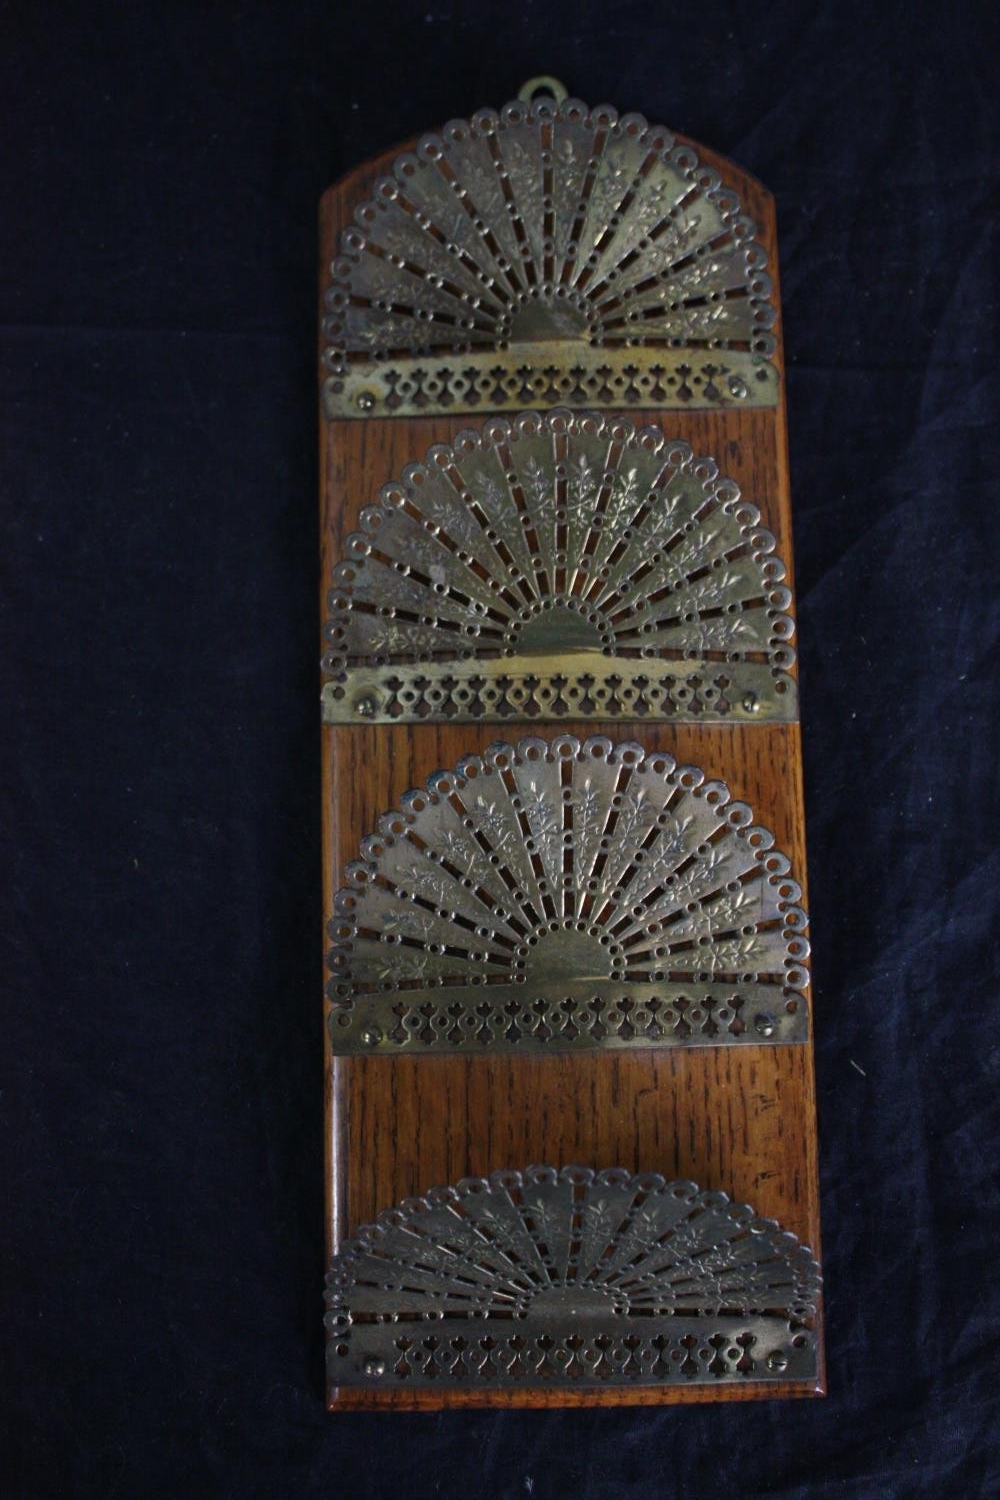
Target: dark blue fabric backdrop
x,y
162,1237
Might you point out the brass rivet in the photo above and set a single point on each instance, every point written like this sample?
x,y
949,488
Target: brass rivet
x,y
751,703
366,706
738,387
777,1361
365,401
376,1367
764,1024
371,1036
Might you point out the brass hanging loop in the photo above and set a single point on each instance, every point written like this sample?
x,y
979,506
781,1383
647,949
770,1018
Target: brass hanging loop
x,y
544,83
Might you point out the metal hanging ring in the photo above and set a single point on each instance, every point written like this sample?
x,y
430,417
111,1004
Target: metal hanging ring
x,y
543,84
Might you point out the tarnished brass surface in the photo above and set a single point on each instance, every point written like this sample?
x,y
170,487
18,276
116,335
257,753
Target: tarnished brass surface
x,y
560,564
570,685
567,895
545,269
565,245
571,1278
571,1016
544,374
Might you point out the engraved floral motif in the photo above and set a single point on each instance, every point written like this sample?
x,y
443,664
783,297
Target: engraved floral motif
x,y
552,536
571,1277
465,244
568,874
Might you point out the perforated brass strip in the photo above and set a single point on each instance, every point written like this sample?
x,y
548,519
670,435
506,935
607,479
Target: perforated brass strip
x,y
581,685
544,375
571,1278
560,565
548,254
556,895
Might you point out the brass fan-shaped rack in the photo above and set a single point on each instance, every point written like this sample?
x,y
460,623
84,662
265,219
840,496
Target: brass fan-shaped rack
x,y
564,861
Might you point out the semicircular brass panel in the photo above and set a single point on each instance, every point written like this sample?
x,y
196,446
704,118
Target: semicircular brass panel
x,y
571,1278
545,255
556,895
560,565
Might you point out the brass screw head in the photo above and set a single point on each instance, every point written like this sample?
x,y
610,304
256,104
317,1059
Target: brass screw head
x,y
765,1024
777,1361
376,1367
365,707
751,703
371,1036
365,401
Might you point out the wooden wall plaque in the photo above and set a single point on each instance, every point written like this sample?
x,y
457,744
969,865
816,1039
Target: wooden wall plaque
x,y
568,1013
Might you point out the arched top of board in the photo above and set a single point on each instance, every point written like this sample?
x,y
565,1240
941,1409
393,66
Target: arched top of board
x,y
548,253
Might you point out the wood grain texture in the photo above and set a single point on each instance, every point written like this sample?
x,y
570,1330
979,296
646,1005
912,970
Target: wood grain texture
x,y
739,1119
